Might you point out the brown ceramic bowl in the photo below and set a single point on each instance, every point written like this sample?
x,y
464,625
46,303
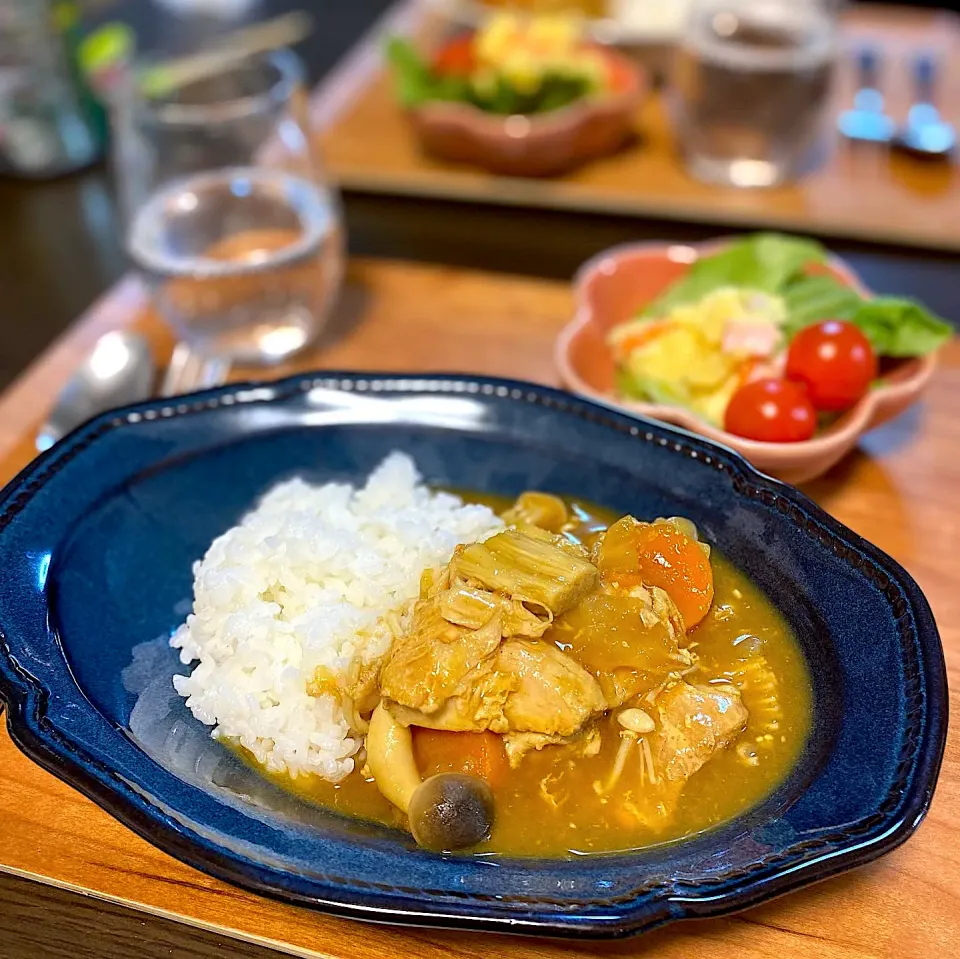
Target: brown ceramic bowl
x,y
547,144
614,286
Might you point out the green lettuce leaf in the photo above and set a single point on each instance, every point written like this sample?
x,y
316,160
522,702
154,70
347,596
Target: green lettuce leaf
x,y
901,327
416,82
553,92
895,327
810,299
650,390
764,261
775,264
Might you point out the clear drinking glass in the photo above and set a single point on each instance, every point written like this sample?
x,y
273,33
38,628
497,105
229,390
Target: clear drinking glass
x,y
230,220
751,82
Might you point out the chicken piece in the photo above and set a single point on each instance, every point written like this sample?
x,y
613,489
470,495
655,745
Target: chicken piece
x,y
443,673
553,695
621,684
363,689
695,721
585,743
428,663
472,607
659,609
527,687
475,705
453,670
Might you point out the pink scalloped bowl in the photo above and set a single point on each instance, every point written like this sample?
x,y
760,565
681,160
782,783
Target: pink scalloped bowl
x,y
615,285
536,146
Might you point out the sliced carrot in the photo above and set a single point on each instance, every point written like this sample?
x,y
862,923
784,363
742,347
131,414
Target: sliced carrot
x,y
477,754
639,338
746,371
656,554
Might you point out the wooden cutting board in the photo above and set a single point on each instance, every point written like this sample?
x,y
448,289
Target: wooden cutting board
x,y
862,191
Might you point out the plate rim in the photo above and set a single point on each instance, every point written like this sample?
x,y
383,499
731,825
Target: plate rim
x,y
646,906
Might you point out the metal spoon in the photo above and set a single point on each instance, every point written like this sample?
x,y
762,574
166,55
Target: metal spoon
x,y
925,133
868,120
120,370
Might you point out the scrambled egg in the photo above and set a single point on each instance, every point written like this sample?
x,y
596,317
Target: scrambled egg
x,y
699,354
525,50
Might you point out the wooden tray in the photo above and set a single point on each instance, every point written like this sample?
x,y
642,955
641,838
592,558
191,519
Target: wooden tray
x,y
899,491
863,192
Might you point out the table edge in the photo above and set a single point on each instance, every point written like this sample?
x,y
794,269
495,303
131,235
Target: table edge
x,y
184,920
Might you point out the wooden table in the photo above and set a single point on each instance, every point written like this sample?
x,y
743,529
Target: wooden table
x,y
899,491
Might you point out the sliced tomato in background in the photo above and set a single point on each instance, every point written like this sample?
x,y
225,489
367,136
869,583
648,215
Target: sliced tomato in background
x,y
620,75
456,57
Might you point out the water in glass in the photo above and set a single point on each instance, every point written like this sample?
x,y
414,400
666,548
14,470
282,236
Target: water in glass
x,y
231,224
751,80
241,261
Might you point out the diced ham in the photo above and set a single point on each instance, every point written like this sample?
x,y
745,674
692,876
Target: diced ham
x,y
750,338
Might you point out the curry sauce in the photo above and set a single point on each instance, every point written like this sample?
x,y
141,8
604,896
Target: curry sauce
x,y
559,802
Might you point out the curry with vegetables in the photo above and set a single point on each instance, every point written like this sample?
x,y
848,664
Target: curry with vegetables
x,y
575,683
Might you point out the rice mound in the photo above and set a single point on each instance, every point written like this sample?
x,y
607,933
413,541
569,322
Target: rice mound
x,y
309,579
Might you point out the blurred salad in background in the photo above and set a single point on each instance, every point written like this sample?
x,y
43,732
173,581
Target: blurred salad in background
x,y
512,65
762,340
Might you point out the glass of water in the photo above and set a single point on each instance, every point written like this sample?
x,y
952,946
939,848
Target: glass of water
x,y
230,221
751,82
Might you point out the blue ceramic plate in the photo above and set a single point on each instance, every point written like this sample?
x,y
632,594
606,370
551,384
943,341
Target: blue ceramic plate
x,y
97,538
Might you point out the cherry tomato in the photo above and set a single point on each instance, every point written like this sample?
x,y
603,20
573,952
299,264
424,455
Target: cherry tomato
x,y
835,361
619,75
772,411
456,57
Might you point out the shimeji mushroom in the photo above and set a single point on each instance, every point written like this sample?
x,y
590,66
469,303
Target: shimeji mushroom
x,y
448,811
635,724
451,811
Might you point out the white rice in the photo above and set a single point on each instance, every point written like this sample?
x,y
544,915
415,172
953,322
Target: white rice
x,y
303,582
